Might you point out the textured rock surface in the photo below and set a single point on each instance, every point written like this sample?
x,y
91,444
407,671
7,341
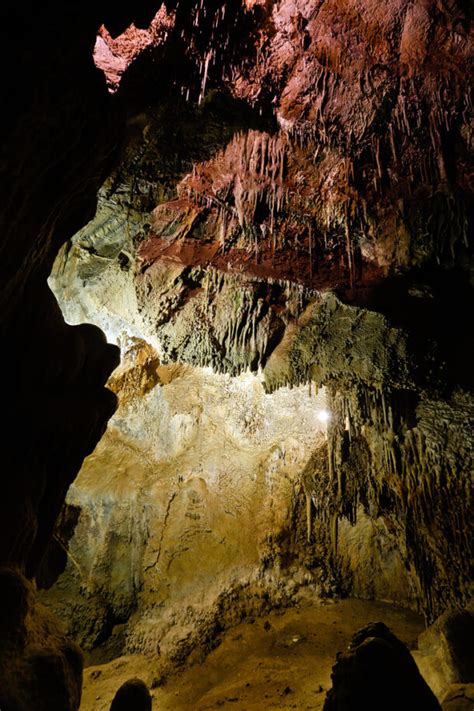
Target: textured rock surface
x,y
192,512
459,697
296,226
368,133
282,660
41,668
389,418
446,651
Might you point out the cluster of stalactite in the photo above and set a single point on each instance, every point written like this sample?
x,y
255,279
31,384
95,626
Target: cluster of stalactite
x,y
362,165
399,447
211,318
408,461
245,176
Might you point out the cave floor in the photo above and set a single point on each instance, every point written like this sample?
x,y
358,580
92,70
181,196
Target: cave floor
x,y
280,661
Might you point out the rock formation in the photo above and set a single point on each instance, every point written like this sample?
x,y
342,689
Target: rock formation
x,y
132,695
378,672
445,656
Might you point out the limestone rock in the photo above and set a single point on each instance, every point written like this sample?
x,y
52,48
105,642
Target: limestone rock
x,y
446,651
133,695
459,697
191,510
275,151
378,672
39,667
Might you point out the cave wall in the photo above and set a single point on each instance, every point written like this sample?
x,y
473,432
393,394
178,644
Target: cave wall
x,y
293,146
399,451
186,509
382,523
299,203
59,133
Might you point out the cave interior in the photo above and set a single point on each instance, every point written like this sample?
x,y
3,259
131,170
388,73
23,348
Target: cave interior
x,y
236,242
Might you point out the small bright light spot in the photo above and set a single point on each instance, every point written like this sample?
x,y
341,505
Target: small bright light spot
x,y
324,415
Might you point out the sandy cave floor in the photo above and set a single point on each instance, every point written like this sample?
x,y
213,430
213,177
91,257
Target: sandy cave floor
x,y
280,661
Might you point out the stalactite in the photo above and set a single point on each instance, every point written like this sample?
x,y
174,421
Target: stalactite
x,y
410,462
253,167
309,522
334,533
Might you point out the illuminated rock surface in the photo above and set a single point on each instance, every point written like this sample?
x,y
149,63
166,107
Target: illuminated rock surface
x,y
282,660
283,195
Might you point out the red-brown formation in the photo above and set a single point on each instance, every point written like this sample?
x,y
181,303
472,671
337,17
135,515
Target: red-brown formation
x,y
114,55
370,138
